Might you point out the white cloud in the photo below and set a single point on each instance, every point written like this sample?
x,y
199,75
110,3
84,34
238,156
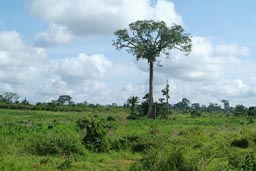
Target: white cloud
x,y
26,70
231,50
81,77
205,63
54,35
20,62
210,73
83,68
92,17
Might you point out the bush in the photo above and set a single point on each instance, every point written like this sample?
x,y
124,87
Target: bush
x,y
56,143
120,144
132,117
242,161
111,118
164,160
242,143
95,134
65,165
196,114
134,143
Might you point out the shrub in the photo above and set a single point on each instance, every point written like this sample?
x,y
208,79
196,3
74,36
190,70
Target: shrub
x,y
95,134
132,117
242,143
163,160
65,165
196,113
242,161
249,163
140,143
56,143
134,143
111,118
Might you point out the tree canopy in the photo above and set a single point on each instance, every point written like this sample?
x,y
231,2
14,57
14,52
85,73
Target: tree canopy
x,y
147,39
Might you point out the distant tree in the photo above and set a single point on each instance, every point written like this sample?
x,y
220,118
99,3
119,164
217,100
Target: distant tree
x,y
10,97
1,98
85,103
226,105
147,39
203,108
133,101
214,107
166,94
195,106
240,110
251,111
114,105
64,100
25,101
184,105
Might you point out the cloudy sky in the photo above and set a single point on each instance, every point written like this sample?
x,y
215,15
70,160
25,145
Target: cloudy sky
x,y
49,48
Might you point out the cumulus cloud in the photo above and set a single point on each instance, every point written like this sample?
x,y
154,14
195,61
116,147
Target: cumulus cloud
x,y
81,77
83,68
205,63
54,35
20,61
92,17
210,73
27,70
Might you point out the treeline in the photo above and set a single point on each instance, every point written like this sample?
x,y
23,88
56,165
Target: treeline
x,y
138,107
163,109
11,100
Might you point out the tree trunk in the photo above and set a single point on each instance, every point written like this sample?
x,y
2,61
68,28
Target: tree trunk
x,y
151,111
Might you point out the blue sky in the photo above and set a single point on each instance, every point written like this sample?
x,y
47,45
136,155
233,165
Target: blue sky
x,y
49,48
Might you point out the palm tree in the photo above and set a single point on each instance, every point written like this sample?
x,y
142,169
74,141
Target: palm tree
x,y
133,101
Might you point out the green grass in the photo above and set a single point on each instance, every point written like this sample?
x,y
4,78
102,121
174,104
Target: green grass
x,y
204,140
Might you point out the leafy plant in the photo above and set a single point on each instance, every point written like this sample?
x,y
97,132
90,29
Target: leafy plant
x,y
53,143
164,160
95,134
242,143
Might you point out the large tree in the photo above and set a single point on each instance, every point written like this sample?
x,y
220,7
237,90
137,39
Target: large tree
x,y
64,99
10,97
147,39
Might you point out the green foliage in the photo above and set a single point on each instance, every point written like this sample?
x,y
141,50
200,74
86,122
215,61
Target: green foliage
x,y
242,143
248,162
111,118
95,134
65,165
167,159
200,143
183,105
57,144
140,143
242,161
251,111
147,39
64,100
240,110
134,143
132,102
196,113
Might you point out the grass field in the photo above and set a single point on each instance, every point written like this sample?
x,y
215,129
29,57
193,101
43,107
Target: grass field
x,y
204,142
